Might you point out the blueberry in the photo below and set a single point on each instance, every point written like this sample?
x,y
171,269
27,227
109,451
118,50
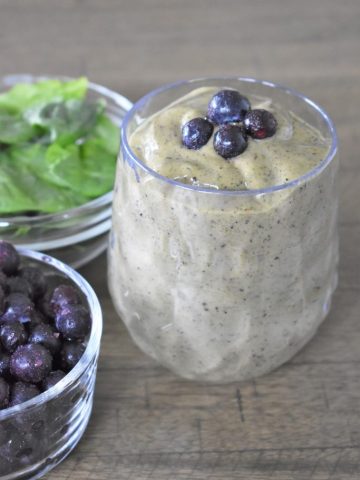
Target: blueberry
x,y
4,364
46,335
4,394
44,306
9,258
260,124
38,318
3,281
227,106
230,141
18,307
20,450
36,278
73,321
70,354
19,285
196,133
31,363
52,379
12,335
62,296
22,392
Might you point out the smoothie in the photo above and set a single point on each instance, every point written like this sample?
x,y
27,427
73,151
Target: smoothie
x,y
217,274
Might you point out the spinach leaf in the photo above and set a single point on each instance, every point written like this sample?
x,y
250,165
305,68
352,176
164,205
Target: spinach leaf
x,y
57,150
27,95
14,129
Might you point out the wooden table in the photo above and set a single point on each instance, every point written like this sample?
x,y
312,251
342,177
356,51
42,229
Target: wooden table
x,y
303,421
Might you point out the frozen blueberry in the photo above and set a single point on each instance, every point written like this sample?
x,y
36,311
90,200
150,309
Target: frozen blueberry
x,y
4,364
73,321
9,258
22,392
196,133
44,306
36,278
21,450
19,285
70,354
38,318
62,296
230,141
46,335
31,363
18,307
52,379
3,281
260,124
227,106
12,335
4,394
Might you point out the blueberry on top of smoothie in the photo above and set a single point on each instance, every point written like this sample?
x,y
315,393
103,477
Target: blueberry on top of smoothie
x,y
230,141
260,124
227,106
196,133
232,112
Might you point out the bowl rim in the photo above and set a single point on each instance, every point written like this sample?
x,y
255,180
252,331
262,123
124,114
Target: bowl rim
x,y
136,161
104,199
92,348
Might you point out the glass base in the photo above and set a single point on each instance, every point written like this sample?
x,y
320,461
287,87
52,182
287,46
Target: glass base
x,y
41,468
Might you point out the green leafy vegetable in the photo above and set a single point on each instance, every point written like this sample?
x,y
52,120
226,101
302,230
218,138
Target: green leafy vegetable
x,y
27,95
65,122
57,150
14,129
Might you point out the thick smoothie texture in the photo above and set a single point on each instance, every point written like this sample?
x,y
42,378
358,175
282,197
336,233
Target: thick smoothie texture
x,y
223,286
296,148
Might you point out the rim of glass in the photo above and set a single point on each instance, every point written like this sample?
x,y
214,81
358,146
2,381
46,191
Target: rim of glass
x,y
91,349
289,91
105,199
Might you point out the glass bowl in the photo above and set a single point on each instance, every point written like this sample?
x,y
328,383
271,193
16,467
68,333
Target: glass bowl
x,y
37,435
74,236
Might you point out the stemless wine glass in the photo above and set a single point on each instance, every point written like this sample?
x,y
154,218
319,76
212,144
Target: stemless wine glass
x,y
222,285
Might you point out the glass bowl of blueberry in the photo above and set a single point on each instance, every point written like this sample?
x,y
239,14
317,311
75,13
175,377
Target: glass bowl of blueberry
x,y
59,140
50,330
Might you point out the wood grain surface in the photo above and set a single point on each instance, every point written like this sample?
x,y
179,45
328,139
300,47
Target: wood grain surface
x,y
301,422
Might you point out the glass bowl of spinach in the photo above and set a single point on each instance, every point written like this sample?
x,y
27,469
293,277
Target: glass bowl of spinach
x,y
59,139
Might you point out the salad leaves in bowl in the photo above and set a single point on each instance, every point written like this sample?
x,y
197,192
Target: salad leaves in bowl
x,y
59,140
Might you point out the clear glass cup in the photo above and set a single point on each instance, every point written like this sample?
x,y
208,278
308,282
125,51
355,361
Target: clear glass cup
x,y
223,285
37,435
74,236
